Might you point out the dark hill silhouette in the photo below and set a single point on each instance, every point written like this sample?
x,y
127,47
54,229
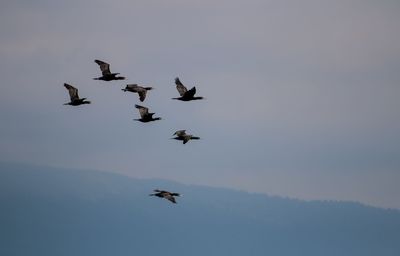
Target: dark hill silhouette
x,y
47,211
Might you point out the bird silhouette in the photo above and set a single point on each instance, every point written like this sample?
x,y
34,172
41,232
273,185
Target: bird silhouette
x,y
106,73
181,135
165,194
73,94
145,116
138,89
185,94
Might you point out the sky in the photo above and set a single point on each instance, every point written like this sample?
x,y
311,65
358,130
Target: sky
x,y
301,97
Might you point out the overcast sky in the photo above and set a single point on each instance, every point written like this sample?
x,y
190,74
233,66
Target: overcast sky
x,y
302,97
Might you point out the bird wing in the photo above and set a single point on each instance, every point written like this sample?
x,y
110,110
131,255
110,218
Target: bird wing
x,y
73,92
180,87
186,139
191,92
132,86
142,94
104,67
180,133
143,111
170,198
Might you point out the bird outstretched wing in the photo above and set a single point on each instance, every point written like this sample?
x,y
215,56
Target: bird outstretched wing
x,y
142,94
180,87
186,139
170,198
180,133
73,92
143,111
104,67
191,92
132,86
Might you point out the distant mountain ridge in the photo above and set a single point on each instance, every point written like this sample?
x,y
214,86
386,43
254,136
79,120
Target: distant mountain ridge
x,y
48,211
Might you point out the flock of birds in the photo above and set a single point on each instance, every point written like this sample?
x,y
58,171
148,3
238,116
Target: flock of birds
x,y
145,115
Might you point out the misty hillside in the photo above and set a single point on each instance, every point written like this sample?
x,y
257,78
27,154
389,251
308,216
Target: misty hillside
x,y
50,212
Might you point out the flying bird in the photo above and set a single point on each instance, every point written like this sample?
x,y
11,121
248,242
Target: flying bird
x,y
145,116
181,135
186,95
138,89
73,94
106,73
165,194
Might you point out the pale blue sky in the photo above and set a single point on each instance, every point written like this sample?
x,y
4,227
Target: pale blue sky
x,y
302,97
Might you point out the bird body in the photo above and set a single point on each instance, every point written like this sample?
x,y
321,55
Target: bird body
x,y
145,116
142,91
106,73
185,94
181,135
73,94
165,194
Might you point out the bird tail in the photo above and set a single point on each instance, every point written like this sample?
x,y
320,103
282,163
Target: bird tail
x,y
195,138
